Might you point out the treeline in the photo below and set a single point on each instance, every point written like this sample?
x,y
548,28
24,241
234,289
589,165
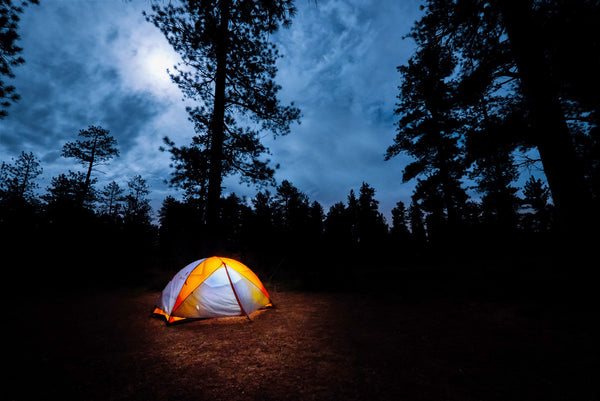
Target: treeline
x,y
73,232
77,234
288,236
492,83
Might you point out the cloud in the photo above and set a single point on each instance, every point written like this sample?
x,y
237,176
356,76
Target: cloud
x,y
101,63
77,73
339,65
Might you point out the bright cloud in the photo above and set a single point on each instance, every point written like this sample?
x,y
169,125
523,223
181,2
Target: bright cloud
x,y
102,63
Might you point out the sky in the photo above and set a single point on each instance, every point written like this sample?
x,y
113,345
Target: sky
x,y
99,62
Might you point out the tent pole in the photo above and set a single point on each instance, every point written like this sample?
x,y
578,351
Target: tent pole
x,y
235,293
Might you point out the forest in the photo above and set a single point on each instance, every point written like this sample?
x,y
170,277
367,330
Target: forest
x,y
479,285
489,85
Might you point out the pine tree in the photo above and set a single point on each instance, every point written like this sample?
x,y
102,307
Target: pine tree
x,y
180,233
417,225
137,204
95,147
339,233
371,225
399,228
552,136
263,228
316,217
19,203
511,56
229,69
499,204
427,131
536,197
190,164
17,180
233,213
9,51
293,208
111,201
69,195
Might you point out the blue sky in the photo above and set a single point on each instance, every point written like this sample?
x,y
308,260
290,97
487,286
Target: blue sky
x,y
99,62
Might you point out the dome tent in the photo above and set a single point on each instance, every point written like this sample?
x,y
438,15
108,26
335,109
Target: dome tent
x,y
212,287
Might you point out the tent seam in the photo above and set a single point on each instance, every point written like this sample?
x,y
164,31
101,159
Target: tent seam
x,y
185,283
233,289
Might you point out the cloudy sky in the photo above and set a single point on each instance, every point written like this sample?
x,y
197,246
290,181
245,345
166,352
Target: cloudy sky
x,y
99,62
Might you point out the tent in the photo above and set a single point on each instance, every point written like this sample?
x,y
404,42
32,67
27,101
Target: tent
x,y
212,287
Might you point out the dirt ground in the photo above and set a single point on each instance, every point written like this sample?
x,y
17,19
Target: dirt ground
x,y
103,345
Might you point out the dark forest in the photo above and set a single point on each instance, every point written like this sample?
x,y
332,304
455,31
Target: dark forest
x,y
487,79
480,287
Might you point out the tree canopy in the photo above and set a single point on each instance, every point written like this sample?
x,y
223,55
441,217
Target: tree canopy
x,y
228,70
9,50
488,79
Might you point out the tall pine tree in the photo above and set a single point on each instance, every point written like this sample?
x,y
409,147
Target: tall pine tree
x,y
9,51
94,147
427,131
511,55
228,69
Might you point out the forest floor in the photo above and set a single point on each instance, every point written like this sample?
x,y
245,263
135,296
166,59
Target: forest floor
x,y
103,345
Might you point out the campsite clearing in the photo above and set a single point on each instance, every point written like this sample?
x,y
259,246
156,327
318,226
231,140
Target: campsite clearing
x,y
311,346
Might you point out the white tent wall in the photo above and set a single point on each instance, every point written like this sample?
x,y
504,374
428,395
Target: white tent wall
x,y
171,291
213,298
250,296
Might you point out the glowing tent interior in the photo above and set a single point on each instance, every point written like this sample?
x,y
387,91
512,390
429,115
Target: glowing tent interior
x,y
212,287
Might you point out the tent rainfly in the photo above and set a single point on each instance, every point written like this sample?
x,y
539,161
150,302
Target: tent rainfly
x,y
212,287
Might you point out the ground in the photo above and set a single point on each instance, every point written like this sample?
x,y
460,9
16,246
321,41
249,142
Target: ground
x,y
103,345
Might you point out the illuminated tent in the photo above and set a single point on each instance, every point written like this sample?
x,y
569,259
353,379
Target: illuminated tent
x,y
212,287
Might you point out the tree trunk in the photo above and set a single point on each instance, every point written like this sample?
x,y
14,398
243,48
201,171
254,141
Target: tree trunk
x,y
88,176
217,134
563,169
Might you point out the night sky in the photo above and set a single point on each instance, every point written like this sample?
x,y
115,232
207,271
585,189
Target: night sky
x,y
101,63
